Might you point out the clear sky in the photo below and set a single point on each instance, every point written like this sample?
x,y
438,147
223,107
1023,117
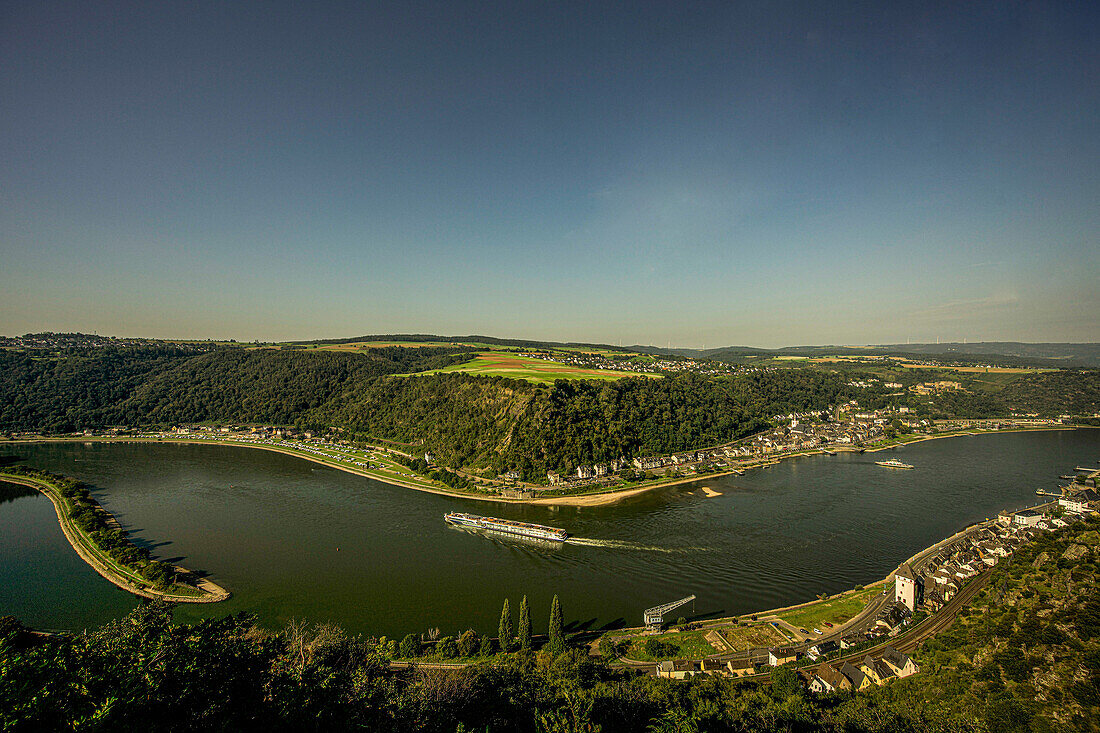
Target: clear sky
x,y
762,173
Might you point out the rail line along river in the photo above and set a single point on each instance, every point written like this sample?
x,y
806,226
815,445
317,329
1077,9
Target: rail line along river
x,y
292,539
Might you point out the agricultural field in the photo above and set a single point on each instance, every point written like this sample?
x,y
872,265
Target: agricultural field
x,y
980,370
835,610
496,363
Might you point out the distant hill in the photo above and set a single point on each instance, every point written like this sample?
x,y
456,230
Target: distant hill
x,y
1086,353
492,340
1004,353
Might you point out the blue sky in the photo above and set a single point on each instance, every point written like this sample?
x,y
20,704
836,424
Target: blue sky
x,y
761,173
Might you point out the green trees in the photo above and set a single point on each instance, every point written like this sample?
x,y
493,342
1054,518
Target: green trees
x,y
524,625
610,649
447,647
659,648
504,629
785,682
409,646
557,635
477,422
468,643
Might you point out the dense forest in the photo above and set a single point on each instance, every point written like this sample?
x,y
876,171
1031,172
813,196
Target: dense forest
x,y
1024,657
165,384
483,423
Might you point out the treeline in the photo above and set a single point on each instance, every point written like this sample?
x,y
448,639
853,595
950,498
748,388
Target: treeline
x,y
1052,393
272,387
1025,657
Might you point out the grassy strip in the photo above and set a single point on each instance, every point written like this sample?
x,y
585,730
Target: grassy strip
x,y
674,645
834,610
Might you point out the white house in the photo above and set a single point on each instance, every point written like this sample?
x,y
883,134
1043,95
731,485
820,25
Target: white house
x,y
907,588
1078,503
778,656
1027,518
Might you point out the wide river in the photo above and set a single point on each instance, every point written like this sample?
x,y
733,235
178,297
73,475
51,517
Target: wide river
x,y
292,539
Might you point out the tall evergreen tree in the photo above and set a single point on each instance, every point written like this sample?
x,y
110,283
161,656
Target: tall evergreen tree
x,y
557,637
524,625
505,628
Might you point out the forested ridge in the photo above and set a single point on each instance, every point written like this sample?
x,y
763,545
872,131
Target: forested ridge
x,y
1024,658
165,384
478,422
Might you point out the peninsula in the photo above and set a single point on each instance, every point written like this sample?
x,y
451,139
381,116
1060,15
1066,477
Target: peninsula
x,y
100,541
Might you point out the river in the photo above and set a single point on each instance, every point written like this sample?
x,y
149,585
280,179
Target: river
x,y
292,539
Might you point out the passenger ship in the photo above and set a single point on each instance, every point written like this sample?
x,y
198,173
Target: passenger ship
x,y
506,526
893,463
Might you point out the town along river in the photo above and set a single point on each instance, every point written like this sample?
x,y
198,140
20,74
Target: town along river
x,y
292,539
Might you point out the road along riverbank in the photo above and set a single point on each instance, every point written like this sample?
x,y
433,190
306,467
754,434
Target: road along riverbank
x,y
120,575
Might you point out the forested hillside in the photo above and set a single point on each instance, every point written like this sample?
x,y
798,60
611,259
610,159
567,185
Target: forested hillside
x,y
1026,658
79,389
272,387
478,422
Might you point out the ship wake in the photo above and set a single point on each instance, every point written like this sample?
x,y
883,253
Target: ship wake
x,y
623,545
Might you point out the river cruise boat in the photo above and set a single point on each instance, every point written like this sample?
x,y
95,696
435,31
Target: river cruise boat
x,y
893,463
506,526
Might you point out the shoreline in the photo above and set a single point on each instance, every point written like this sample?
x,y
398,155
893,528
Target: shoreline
x,y
213,593
593,499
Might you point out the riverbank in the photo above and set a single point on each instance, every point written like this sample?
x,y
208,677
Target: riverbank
x,y
114,572
837,614
589,499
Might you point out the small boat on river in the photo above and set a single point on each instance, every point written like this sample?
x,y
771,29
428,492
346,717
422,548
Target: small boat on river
x,y
892,463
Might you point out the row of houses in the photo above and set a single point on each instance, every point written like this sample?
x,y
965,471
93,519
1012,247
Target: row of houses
x,y
861,674
827,677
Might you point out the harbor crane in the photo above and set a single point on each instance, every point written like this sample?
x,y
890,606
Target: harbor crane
x,y
655,616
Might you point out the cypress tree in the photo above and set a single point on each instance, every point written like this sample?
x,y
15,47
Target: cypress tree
x,y
504,631
524,625
557,638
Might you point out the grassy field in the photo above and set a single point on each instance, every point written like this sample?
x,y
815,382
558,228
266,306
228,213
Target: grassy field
x,y
531,369
747,637
981,370
836,610
683,645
